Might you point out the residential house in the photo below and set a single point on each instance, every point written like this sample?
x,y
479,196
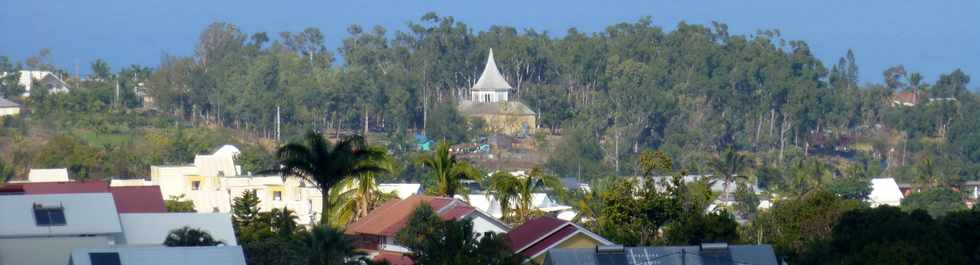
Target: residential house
x,y
534,238
905,99
539,201
45,222
375,233
8,108
34,78
885,191
490,101
402,190
713,254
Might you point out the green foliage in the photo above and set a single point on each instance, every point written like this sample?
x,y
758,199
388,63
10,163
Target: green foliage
x,y
886,235
190,237
746,201
325,164
446,124
447,171
793,225
254,159
578,154
519,190
937,202
695,229
324,245
6,171
69,152
177,204
437,242
851,188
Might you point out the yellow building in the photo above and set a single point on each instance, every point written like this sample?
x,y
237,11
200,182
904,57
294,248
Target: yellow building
x,y
490,101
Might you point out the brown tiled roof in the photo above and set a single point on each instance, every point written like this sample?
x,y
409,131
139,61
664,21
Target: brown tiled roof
x,y
388,219
906,98
393,258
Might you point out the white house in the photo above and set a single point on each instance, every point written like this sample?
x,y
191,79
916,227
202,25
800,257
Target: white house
x,y
30,79
8,108
157,255
885,191
403,190
490,205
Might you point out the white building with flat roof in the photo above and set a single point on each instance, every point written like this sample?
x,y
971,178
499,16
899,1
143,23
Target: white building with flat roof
x,y
48,175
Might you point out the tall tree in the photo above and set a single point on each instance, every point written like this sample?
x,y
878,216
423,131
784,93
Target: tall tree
x,y
325,164
190,237
518,191
448,171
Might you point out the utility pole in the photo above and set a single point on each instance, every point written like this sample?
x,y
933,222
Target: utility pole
x,y
278,123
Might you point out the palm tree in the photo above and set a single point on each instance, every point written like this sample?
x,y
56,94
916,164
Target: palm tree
x,y
354,197
448,171
324,245
728,168
190,237
507,188
325,164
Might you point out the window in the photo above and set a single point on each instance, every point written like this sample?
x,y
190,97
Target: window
x,y
49,216
104,258
276,195
195,185
487,96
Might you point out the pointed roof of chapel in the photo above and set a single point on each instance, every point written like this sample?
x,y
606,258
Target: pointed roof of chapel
x,y
491,79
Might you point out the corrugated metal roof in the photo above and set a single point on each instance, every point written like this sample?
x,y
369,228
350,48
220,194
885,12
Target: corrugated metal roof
x,y
160,255
65,187
138,199
152,228
665,255
532,230
84,213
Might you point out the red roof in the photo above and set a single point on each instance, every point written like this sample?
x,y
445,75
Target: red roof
x,y
388,219
548,241
145,199
393,258
65,187
532,230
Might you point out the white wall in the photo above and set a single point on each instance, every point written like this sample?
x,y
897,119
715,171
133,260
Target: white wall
x,y
9,111
152,228
85,213
219,255
482,225
45,250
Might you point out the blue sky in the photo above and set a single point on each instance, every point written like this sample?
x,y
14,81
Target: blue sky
x,y
931,37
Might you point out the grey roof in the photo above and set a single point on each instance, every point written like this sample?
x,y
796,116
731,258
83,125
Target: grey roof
x,y
4,103
491,79
665,255
494,108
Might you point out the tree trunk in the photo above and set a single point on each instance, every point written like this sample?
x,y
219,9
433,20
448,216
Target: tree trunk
x,y
325,206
